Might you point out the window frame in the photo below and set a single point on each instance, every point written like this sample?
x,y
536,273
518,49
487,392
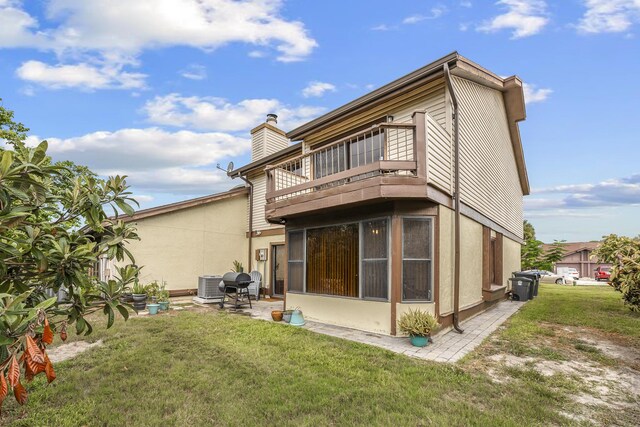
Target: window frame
x,y
431,287
388,259
303,261
359,222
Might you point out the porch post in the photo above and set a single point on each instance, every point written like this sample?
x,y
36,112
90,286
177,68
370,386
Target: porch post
x,y
396,268
420,143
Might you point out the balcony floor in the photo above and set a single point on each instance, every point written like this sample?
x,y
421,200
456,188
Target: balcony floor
x,y
365,191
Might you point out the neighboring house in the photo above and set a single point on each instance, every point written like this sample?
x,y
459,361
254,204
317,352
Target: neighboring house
x,y
362,211
181,241
578,255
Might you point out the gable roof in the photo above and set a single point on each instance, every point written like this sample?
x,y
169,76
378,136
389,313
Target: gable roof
x,y
185,204
573,247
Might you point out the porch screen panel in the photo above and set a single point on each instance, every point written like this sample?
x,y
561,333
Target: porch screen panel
x,y
375,283
416,259
332,260
296,261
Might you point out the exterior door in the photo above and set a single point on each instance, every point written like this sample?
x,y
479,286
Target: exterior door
x,y
279,263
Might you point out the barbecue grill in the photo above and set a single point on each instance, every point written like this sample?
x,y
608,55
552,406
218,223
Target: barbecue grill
x,y
236,286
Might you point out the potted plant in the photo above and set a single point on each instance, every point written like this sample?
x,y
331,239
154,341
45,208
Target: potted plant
x,y
127,295
297,319
418,325
139,296
237,267
276,315
163,297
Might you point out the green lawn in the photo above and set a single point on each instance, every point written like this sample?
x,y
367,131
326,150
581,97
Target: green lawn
x,y
210,368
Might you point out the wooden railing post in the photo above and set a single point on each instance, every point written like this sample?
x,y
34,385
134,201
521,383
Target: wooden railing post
x,y
271,185
420,143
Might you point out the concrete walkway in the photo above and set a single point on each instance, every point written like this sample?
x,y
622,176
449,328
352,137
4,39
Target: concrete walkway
x,y
448,346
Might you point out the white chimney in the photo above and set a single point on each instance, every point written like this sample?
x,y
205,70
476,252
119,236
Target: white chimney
x,y
267,138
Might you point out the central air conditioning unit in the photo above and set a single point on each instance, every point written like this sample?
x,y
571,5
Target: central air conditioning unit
x,y
208,287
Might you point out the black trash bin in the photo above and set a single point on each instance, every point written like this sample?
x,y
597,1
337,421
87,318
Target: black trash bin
x,y
535,281
521,288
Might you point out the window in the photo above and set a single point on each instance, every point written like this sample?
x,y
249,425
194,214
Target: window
x,y
296,261
375,264
492,258
332,260
416,259
348,260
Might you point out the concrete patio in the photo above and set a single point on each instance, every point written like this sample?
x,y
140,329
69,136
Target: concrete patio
x,y
447,346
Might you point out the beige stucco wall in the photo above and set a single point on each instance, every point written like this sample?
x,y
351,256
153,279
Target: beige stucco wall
x,y
470,262
180,246
264,242
447,253
372,316
510,259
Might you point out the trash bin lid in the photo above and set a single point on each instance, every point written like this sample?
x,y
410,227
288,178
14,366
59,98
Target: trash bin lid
x,y
521,279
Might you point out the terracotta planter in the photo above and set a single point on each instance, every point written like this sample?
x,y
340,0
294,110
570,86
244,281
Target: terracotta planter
x,y
276,315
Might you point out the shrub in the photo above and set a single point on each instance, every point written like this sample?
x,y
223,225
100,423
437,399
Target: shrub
x,y
624,254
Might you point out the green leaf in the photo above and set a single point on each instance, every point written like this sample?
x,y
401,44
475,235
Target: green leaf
x,y
47,303
123,311
81,324
110,317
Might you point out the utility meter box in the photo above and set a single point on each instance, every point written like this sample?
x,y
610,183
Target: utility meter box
x,y
262,254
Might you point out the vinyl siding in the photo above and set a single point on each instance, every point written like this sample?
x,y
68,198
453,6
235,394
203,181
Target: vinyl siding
x,y
439,156
434,104
259,201
489,181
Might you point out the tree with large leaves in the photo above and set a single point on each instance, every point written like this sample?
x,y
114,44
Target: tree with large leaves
x,y
624,254
49,215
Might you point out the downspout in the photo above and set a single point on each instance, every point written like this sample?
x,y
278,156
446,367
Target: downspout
x,y
456,195
250,184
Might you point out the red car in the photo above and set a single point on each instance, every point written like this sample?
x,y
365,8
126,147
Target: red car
x,y
602,273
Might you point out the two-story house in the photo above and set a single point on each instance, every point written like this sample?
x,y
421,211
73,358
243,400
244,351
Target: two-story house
x,y
407,197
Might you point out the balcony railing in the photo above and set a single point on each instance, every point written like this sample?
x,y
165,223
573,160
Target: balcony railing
x,y
385,149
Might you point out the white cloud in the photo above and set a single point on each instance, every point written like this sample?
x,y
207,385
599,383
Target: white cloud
x,y
384,27
609,16
143,198
533,94
466,3
194,72
524,17
612,192
257,54
413,19
436,12
154,160
317,89
81,75
211,113
95,30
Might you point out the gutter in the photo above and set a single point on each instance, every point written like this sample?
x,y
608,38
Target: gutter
x,y
456,195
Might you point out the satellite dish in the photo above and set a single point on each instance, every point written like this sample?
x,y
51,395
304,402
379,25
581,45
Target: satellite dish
x,y
230,167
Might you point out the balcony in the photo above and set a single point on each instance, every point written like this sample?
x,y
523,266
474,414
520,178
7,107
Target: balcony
x,y
386,161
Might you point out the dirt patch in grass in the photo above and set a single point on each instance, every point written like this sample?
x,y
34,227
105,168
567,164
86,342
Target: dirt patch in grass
x,y
69,351
599,371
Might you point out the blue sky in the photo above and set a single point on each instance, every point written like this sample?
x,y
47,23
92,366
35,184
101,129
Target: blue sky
x,y
164,90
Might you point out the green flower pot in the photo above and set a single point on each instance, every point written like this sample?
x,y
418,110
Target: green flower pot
x,y
153,308
419,341
164,305
296,318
